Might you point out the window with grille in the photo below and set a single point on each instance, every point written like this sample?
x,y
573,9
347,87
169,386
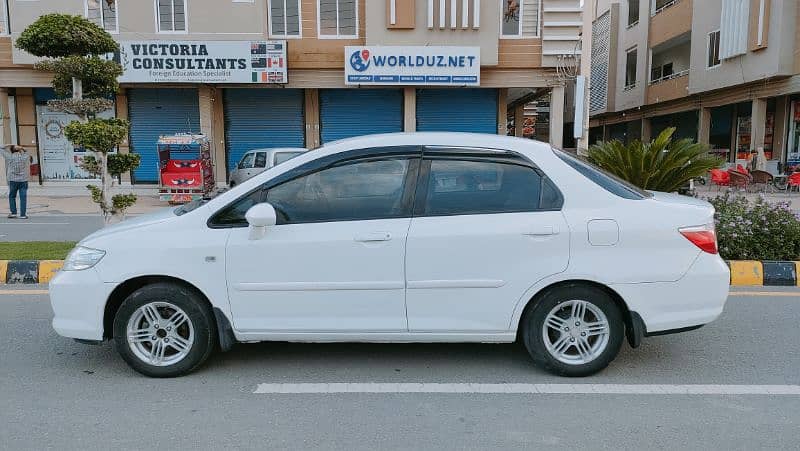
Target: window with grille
x,y
104,14
511,19
630,68
284,18
338,18
713,49
171,16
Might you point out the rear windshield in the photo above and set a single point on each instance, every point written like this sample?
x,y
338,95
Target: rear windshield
x,y
608,182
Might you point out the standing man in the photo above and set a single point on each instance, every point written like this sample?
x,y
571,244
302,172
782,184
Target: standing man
x,y
18,169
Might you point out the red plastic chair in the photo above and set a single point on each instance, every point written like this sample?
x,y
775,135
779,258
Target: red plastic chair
x,y
794,181
720,178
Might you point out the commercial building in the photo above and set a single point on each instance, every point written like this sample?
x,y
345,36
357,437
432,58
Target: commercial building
x,y
724,72
301,73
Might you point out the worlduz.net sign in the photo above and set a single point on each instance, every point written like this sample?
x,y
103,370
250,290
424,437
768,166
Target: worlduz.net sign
x,y
401,65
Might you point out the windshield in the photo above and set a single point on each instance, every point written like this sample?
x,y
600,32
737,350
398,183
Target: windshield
x,y
608,182
195,204
247,161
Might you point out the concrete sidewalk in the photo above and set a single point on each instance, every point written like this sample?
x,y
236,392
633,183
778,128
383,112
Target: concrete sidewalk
x,y
80,205
75,200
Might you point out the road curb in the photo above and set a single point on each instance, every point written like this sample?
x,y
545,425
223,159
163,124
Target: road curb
x,y
14,272
754,273
744,273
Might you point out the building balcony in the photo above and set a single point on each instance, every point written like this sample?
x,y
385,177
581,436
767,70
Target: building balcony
x,y
667,88
669,19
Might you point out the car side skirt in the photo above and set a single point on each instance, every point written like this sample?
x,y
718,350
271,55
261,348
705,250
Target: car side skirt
x,y
378,337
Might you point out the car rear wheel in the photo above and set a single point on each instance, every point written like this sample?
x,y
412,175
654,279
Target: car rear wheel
x,y
164,330
573,330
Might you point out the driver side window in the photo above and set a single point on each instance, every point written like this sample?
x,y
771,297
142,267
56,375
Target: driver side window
x,y
360,190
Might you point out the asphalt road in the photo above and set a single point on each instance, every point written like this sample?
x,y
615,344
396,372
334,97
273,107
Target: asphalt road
x,y
55,393
49,228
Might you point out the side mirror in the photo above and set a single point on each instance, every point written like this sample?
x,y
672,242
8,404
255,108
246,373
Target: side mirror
x,y
260,216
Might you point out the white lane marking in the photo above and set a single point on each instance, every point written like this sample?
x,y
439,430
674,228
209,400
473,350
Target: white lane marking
x,y
24,222
23,292
533,389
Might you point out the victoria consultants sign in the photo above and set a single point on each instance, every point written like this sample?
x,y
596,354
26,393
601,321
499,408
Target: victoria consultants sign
x,y
203,61
400,65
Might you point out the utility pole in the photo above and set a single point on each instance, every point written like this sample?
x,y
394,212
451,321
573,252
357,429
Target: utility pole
x,y
585,72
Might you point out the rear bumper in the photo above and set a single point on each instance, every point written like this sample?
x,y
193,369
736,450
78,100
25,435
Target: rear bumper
x,y
692,301
78,299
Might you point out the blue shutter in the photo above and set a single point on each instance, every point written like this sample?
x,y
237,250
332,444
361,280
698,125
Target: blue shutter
x,y
259,118
457,110
345,113
157,112
42,95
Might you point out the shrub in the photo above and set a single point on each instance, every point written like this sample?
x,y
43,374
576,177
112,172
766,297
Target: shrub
x,y
756,230
660,165
99,135
60,35
98,76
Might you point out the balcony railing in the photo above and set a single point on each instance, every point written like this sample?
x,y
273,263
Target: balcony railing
x,y
670,76
671,87
664,6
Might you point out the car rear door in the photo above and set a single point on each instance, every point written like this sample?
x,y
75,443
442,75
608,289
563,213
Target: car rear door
x,y
486,227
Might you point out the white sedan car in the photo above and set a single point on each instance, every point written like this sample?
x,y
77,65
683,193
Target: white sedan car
x,y
428,237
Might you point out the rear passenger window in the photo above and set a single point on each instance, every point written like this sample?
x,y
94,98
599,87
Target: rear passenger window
x,y
462,187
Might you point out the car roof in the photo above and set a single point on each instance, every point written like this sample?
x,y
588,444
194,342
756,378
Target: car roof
x,y
279,149
456,139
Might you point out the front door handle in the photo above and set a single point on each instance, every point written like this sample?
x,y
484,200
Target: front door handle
x,y
544,230
373,237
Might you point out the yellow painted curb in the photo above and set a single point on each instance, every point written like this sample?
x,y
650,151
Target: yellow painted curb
x,y
797,271
747,273
48,269
3,271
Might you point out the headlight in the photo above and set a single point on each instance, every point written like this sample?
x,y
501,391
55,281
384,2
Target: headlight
x,y
82,258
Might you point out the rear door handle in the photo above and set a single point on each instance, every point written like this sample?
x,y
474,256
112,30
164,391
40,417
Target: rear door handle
x,y
373,237
547,230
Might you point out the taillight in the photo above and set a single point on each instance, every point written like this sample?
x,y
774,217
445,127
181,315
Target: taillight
x,y
704,237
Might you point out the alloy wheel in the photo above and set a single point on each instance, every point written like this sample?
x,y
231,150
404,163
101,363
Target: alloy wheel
x,y
160,334
576,332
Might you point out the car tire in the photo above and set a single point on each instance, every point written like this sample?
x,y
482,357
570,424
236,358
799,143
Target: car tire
x,y
175,342
558,345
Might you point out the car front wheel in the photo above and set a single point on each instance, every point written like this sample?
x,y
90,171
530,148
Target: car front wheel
x,y
164,330
573,331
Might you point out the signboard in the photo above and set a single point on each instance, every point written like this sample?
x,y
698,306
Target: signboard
x,y
422,65
203,62
60,159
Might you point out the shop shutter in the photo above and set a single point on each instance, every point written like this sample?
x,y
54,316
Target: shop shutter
x,y
156,112
345,113
261,118
457,110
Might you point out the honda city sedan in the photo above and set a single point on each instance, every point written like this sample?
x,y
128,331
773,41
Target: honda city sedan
x,y
419,237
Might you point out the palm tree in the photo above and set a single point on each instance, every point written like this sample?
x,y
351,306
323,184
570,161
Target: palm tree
x,y
660,165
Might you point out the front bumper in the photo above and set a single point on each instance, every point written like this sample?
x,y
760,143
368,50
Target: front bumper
x,y
694,300
78,299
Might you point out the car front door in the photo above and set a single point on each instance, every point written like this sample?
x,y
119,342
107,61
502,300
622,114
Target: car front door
x,y
334,263
486,227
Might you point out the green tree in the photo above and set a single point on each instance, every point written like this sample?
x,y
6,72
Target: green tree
x,y
73,47
661,165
